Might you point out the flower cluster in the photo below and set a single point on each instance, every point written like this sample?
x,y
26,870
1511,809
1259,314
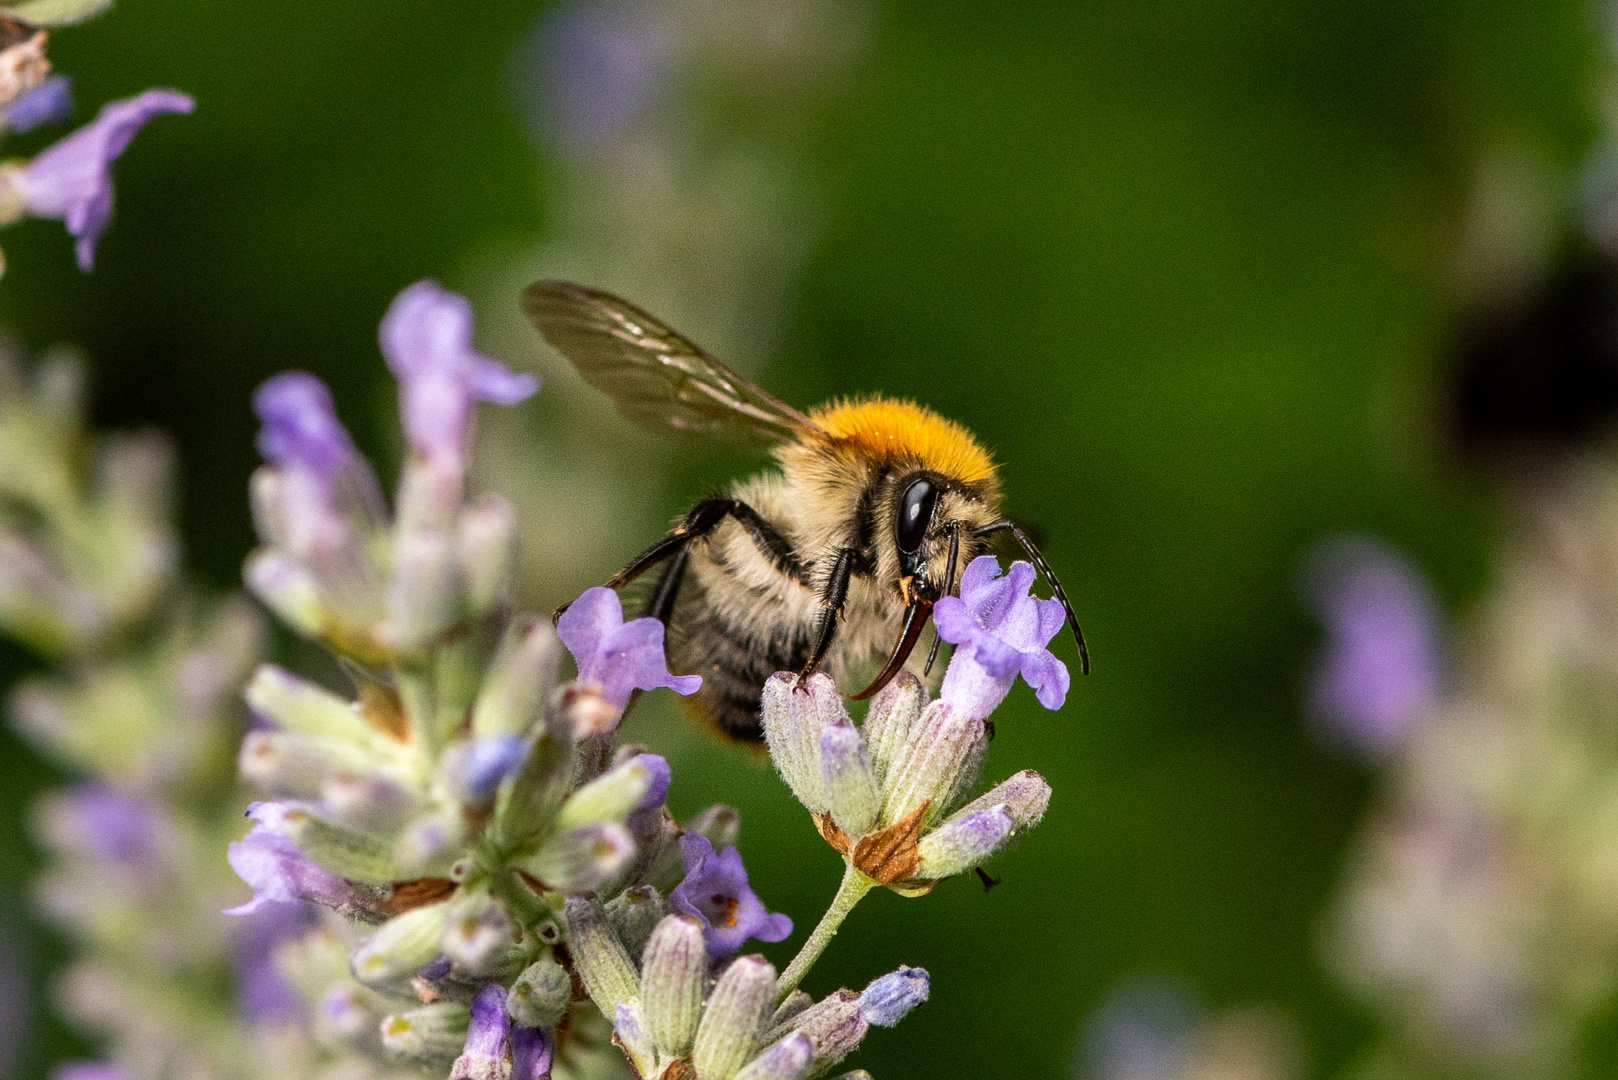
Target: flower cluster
x,y
71,180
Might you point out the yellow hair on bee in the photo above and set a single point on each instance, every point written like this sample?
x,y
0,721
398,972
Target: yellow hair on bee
x,y
887,428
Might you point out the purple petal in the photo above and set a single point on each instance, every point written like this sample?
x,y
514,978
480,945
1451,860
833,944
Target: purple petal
x,y
473,769
716,892
50,102
491,1027
953,621
71,179
301,425
996,656
587,624
531,1053
277,870
1048,676
426,338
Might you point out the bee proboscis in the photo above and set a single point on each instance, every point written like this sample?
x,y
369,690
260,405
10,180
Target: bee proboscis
x,y
833,562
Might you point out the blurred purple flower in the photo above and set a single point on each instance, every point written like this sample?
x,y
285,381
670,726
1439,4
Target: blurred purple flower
x,y
262,995
1381,668
277,870
90,1070
1142,1030
619,656
589,69
71,179
300,425
426,338
715,890
50,102
93,820
1000,632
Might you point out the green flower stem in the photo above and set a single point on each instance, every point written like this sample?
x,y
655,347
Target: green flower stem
x,y
854,887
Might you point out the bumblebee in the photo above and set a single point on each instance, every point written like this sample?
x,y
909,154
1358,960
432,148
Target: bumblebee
x,y
833,562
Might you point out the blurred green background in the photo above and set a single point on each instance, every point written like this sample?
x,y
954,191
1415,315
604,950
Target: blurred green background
x,y
1181,264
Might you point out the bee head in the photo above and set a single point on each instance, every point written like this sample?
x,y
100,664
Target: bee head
x,y
934,528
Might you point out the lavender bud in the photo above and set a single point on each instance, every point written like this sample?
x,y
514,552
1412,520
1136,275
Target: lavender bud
x,y
294,704
853,1074
633,914
794,718
541,994
486,543
514,689
834,1026
487,1052
291,765
846,779
532,1051
482,939
938,761
472,769
604,967
734,1021
433,1034
616,793
421,601
371,804
721,824
888,721
582,859
288,590
429,844
430,495
1025,797
787,1058
629,1031
796,1002
529,801
341,850
889,998
673,970
962,842
400,947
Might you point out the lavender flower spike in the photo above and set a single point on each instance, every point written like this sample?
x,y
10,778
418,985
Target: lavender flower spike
x,y
71,179
1001,632
427,340
618,656
277,870
716,892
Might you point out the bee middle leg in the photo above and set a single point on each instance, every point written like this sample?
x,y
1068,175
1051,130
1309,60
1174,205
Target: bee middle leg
x,y
831,609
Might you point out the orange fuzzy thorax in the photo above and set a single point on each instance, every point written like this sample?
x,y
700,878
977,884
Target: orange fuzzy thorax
x,y
890,429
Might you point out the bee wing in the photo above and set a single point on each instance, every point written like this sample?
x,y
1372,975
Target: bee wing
x,y
655,376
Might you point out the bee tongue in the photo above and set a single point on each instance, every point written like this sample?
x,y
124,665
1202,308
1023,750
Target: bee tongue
x,y
915,621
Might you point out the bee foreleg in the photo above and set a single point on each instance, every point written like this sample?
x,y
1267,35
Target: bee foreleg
x,y
661,604
831,609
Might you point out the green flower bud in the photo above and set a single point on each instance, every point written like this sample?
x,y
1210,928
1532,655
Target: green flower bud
x,y
938,761
522,673
482,938
582,859
288,590
429,844
433,1034
422,599
846,779
291,764
889,719
735,1020
794,718
612,796
296,705
528,801
673,969
541,994
354,855
400,947
486,543
633,914
603,965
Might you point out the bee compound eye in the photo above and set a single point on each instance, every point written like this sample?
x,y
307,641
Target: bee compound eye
x,y
916,514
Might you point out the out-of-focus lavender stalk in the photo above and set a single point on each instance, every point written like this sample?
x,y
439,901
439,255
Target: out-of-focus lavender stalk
x,y
1480,912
